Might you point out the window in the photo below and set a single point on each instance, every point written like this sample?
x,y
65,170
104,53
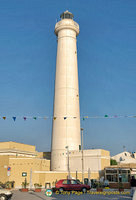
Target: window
x,y
112,178
124,171
66,15
66,182
73,182
79,147
111,171
115,175
121,159
124,178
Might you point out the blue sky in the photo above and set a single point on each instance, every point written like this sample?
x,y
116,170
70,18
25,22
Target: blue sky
x,y
106,65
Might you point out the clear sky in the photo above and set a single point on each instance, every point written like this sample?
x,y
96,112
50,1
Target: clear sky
x,y
106,65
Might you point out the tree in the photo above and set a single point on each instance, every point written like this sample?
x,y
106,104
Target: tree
x,y
25,184
113,162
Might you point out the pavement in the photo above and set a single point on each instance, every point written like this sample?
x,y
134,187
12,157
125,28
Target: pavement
x,y
17,195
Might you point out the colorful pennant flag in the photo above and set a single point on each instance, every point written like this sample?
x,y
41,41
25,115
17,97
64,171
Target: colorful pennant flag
x,y
14,118
85,117
71,117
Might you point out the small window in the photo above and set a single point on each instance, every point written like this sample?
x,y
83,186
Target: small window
x,y
67,16
121,159
111,171
73,182
79,147
112,178
124,171
66,182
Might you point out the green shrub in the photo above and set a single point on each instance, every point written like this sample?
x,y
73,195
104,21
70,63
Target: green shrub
x,y
113,162
37,185
25,184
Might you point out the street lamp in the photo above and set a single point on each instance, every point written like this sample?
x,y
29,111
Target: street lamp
x,y
68,161
82,156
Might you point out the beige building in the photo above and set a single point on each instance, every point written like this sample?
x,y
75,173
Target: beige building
x,y
17,161
21,158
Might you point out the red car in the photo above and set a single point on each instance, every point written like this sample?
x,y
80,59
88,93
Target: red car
x,y
70,184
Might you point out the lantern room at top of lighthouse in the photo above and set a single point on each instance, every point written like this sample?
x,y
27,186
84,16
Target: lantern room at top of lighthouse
x,y
66,22
66,15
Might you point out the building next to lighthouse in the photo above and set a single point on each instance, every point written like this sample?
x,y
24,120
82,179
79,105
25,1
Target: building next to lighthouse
x,y
19,161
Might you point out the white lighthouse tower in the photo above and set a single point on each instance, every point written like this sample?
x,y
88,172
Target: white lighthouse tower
x,y
66,119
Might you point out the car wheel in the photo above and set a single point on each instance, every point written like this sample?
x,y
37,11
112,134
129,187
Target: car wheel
x,y
84,190
61,190
3,197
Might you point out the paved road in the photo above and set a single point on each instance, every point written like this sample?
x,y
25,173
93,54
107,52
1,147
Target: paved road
x,y
17,195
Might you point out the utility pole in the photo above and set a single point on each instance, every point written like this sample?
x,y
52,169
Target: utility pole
x,y
82,156
31,179
89,173
68,161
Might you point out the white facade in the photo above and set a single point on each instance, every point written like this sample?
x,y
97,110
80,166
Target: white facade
x,y
66,122
92,160
125,157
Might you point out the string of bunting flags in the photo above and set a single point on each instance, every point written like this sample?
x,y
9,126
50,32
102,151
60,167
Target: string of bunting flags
x,y
54,118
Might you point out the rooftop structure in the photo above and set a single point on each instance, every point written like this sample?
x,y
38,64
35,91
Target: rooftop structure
x,y
125,157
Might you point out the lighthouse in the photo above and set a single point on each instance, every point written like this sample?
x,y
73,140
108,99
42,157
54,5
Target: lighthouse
x,y
66,117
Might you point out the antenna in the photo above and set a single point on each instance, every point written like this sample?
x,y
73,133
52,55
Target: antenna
x,y
124,148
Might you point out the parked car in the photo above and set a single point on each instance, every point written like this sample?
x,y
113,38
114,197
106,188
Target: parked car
x,y
70,185
5,194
